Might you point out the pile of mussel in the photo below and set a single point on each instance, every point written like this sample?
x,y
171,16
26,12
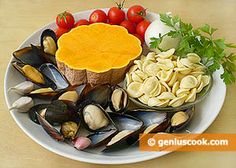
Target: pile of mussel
x,y
86,116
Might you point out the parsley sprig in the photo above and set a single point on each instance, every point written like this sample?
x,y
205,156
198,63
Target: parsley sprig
x,y
214,52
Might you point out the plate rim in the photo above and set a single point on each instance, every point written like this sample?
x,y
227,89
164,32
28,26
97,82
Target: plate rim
x,y
147,156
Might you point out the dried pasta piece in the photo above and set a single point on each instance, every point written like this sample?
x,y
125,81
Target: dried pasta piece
x,y
182,91
173,79
136,78
188,82
178,101
156,102
165,64
133,68
175,87
166,54
151,56
166,96
152,69
192,96
144,99
128,79
134,89
151,86
194,58
165,75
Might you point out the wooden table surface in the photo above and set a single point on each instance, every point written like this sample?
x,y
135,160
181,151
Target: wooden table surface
x,y
18,19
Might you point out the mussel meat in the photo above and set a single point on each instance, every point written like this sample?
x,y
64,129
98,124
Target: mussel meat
x,y
71,96
48,41
119,100
43,93
33,74
180,119
97,121
69,129
95,117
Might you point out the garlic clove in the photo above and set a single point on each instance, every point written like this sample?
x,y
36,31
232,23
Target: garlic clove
x,y
166,54
23,104
81,143
23,88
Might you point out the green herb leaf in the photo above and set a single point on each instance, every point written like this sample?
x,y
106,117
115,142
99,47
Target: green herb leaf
x,y
200,41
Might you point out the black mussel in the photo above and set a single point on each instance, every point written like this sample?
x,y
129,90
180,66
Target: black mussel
x,y
33,74
119,99
61,111
103,136
99,94
50,71
154,121
30,55
48,41
180,119
46,93
37,108
129,128
49,128
96,120
69,129
55,113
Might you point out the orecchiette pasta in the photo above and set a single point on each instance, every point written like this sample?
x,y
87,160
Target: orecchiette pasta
x,y
166,80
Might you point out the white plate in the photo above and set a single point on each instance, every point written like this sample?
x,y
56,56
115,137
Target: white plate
x,y
205,114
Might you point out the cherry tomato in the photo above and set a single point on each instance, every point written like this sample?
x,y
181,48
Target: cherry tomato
x,y
65,20
142,27
139,37
129,26
98,16
60,31
81,22
109,22
136,13
116,15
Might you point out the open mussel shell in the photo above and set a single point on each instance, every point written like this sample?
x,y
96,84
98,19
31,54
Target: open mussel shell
x,y
46,93
34,75
37,108
119,99
129,128
50,71
94,117
55,113
96,120
154,121
180,119
99,94
49,128
48,41
102,137
30,55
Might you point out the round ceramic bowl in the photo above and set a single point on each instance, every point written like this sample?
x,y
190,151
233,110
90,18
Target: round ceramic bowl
x,y
200,97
